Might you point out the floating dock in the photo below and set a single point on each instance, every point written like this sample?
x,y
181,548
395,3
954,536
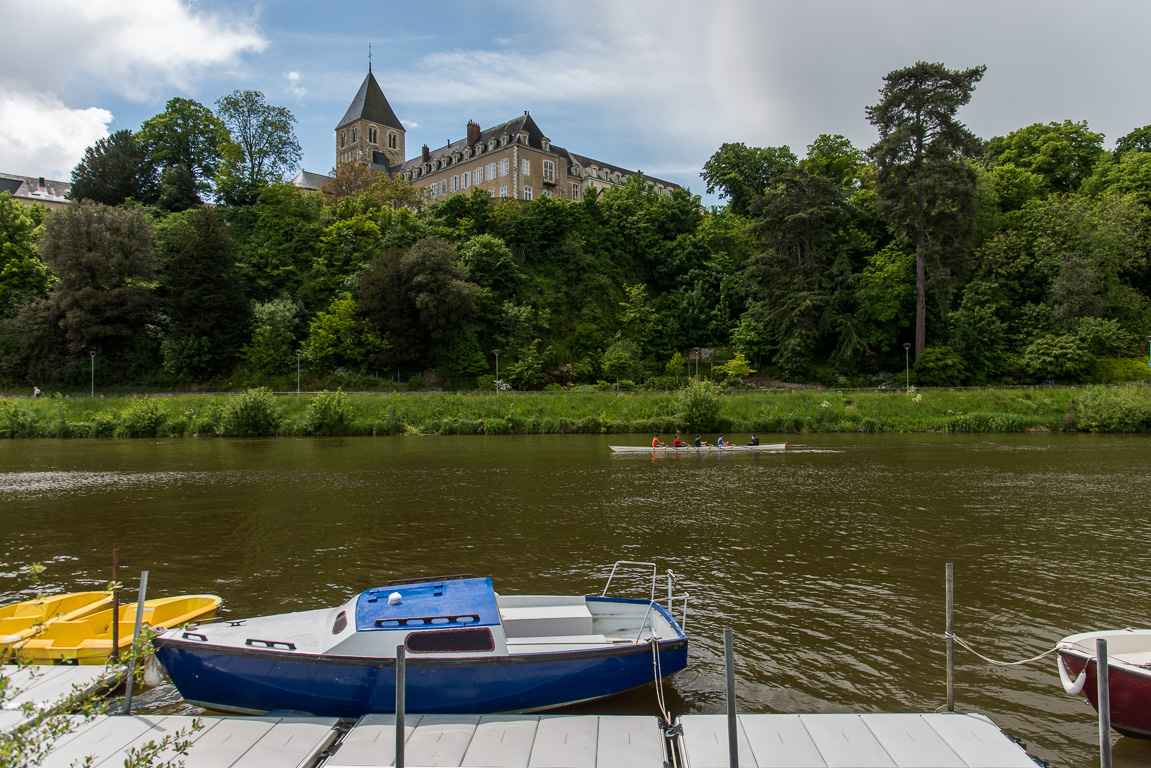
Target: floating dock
x,y
49,688
941,740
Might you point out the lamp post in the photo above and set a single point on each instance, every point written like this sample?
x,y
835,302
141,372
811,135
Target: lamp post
x,y
92,354
297,371
497,370
907,364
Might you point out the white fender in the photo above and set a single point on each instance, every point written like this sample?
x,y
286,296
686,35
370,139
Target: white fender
x,y
1073,687
153,674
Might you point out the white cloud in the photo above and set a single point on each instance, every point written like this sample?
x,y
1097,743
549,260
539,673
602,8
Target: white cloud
x,y
40,136
294,84
64,56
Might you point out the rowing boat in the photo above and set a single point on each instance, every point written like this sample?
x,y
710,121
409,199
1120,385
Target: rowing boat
x,y
88,639
20,621
766,448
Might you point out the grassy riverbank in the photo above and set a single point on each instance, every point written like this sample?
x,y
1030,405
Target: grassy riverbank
x,y
259,412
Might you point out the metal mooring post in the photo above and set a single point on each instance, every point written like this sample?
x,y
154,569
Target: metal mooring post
x,y
135,639
732,723
1103,692
400,681
950,638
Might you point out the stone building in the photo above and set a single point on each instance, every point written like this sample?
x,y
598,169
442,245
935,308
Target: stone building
x,y
513,159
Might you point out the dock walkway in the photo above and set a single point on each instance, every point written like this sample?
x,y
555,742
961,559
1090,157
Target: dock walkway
x,y
941,740
49,688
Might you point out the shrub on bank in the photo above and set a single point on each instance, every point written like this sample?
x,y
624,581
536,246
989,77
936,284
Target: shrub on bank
x,y
329,413
252,414
142,417
1114,409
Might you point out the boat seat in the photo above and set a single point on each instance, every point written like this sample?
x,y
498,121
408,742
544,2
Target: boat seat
x,y
556,643
545,620
1137,659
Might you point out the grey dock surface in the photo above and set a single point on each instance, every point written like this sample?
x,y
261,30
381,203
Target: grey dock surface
x,y
224,742
505,741
940,740
49,687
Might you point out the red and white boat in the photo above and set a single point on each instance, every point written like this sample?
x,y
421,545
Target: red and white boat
x,y
1129,675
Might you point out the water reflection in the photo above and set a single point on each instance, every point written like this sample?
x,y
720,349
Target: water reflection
x,y
828,561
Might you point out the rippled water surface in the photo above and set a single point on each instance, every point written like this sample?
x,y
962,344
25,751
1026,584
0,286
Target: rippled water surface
x,y
827,563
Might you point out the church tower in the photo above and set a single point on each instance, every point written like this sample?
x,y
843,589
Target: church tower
x,y
370,133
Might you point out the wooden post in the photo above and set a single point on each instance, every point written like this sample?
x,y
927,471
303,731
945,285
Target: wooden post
x,y
1103,693
135,635
400,684
732,722
115,604
950,638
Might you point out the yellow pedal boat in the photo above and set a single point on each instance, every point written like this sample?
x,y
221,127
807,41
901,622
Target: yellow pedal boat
x,y
88,639
20,621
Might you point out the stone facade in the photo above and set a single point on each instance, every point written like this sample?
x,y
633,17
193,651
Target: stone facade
x,y
514,159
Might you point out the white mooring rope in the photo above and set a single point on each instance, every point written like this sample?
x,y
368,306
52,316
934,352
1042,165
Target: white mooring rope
x,y
967,645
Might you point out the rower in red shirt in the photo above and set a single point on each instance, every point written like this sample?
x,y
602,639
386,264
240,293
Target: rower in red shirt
x,y
677,443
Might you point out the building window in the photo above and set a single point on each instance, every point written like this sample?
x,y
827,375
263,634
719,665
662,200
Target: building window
x,y
443,187
343,135
391,141
526,167
492,144
549,171
547,193
504,167
527,193
479,174
503,191
372,135
353,135
575,191
465,179
454,184
491,171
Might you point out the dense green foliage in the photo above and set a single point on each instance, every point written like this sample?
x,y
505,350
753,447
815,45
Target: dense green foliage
x,y
1021,259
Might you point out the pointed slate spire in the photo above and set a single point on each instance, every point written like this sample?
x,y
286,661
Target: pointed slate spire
x,y
371,105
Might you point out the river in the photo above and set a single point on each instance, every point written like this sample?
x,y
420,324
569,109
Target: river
x,y
828,562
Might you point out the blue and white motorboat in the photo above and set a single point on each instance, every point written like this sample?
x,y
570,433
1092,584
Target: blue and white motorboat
x,y
467,649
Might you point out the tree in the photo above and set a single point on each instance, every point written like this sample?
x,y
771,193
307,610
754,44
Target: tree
x,y
23,277
740,172
836,158
348,179
1063,154
1139,140
274,329
337,338
926,194
106,260
263,149
202,295
414,295
115,169
186,135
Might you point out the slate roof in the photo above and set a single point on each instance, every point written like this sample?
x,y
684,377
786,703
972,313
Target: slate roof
x,y
513,128
35,188
309,180
370,104
586,162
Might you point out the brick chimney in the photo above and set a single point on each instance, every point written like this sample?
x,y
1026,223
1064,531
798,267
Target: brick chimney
x,y
473,132
427,154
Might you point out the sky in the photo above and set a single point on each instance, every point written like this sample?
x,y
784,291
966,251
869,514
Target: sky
x,y
652,85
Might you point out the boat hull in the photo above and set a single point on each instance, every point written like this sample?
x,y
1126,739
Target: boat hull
x,y
1130,692
257,682
766,448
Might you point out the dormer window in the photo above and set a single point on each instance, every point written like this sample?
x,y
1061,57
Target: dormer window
x,y
523,139
503,140
455,157
467,152
479,148
492,144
